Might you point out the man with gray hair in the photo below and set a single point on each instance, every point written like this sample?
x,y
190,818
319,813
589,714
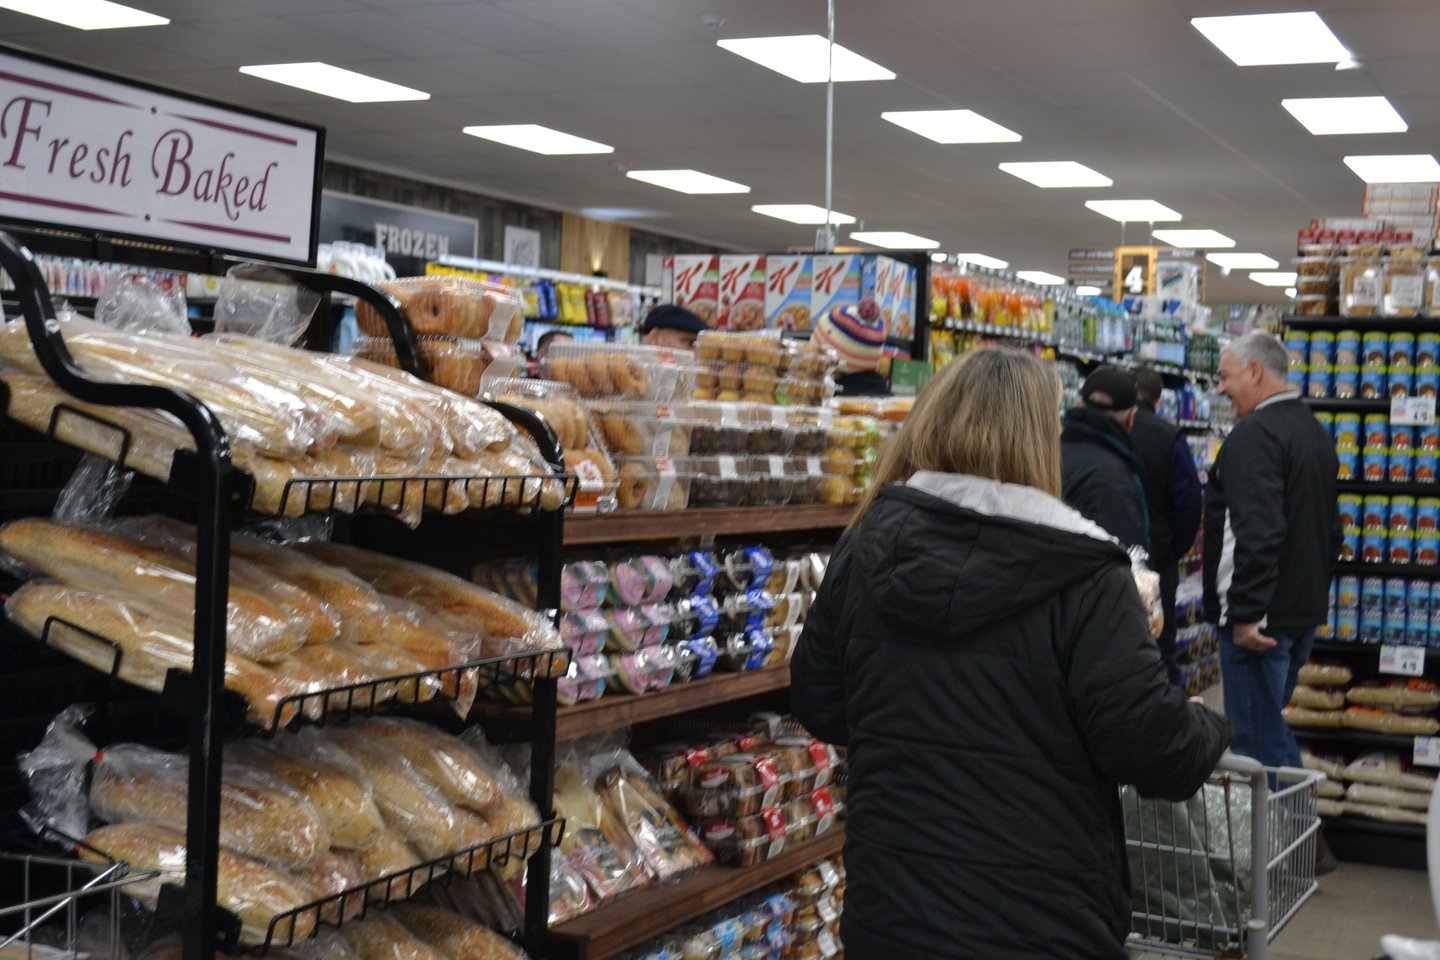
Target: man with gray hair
x,y
1272,537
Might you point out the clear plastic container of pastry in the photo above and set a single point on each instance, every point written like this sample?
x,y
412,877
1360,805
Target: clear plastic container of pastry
x,y
845,462
720,439
804,391
644,670
632,428
722,481
584,631
763,350
1432,287
750,650
737,785
622,371
809,360
653,483
771,486
806,475
1361,284
841,491
854,432
746,841
456,364
693,617
450,306
1404,283
631,628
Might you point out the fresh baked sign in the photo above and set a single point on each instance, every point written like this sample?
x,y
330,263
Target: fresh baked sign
x,y
93,152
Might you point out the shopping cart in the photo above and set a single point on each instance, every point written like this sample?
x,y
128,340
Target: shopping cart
x,y
48,925
1222,873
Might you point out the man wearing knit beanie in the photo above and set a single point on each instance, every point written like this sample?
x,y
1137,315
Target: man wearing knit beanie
x,y
857,336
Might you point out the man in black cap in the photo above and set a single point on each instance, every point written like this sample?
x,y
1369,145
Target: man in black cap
x,y
671,326
1102,477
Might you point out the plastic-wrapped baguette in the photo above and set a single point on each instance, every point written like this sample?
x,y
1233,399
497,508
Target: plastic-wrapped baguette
x,y
148,649
384,939
448,761
411,804
251,890
332,874
345,804
387,856
455,935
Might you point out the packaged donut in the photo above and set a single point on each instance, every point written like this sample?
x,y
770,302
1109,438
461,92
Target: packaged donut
x,y
622,371
637,428
634,580
644,670
585,451
465,366
449,306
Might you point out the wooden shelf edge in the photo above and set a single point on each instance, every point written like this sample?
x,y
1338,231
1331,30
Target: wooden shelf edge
x,y
624,710
635,526
647,914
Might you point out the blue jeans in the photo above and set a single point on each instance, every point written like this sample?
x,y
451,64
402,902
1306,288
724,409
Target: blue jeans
x,y
1257,688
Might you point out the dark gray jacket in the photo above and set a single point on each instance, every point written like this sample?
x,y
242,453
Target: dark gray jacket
x,y
1103,478
986,659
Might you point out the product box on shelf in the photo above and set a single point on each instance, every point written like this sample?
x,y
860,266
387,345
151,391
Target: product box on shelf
x,y
694,283
787,293
742,291
835,282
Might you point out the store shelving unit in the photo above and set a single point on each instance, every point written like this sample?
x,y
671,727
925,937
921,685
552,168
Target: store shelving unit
x,y
999,332
215,495
1387,324
636,527
1337,405
1367,656
1390,488
625,923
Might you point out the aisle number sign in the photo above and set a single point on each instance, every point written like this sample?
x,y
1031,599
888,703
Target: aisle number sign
x,y
1135,271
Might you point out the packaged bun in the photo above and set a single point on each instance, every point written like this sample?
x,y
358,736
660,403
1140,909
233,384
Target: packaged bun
x,y
384,939
409,801
455,935
464,778
345,802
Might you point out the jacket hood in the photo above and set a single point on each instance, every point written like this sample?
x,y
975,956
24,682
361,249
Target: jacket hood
x,y
984,551
1083,425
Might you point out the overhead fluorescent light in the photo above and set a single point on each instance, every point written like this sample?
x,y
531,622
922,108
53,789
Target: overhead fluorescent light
x,y
1292,292
895,240
1396,168
1242,261
337,82
1274,279
806,58
85,14
939,257
1040,277
1194,239
1133,211
1056,174
1273,38
951,126
1327,116
807,213
1085,290
687,181
981,260
538,139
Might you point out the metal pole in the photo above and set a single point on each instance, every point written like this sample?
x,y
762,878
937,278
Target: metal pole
x,y
827,232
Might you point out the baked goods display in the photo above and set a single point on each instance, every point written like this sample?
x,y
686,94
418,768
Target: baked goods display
x,y
297,625
587,447
1377,785
454,362
315,432
303,818
854,446
1328,696
762,368
622,371
449,306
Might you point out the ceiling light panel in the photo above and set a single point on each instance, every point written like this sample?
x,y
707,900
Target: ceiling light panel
x,y
1194,239
1328,116
982,260
538,139
807,213
1040,277
1396,168
951,126
1134,211
332,81
806,58
1084,290
85,14
1273,38
1242,261
687,181
894,240
1057,174
1274,279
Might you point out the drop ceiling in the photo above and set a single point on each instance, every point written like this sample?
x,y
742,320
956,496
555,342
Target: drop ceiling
x,y
1126,87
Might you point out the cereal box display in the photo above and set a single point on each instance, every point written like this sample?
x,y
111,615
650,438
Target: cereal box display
x,y
696,285
742,291
787,293
834,282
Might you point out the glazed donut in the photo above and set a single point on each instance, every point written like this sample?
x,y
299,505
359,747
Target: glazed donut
x,y
623,434
635,484
628,377
597,375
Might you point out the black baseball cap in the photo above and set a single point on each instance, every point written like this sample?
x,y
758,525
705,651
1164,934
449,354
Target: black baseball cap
x,y
1116,383
667,316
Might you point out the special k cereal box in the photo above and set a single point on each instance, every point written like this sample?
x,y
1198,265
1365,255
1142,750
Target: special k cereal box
x,y
787,293
886,281
834,282
742,291
697,285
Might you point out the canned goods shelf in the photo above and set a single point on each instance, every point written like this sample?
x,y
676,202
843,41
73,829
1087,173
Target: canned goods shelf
x,y
1371,653
1365,324
1347,406
1410,571
1389,488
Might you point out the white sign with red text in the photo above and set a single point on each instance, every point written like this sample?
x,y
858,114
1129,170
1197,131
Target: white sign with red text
x,y
87,152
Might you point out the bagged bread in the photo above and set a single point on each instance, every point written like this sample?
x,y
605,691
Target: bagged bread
x,y
1305,717
1330,790
258,818
1329,808
1387,770
1325,675
253,891
1332,767
408,800
631,804
464,778
454,935
388,855
1387,796
1385,721
1318,698
608,870
384,939
331,875
148,649
1396,694
345,803
1387,814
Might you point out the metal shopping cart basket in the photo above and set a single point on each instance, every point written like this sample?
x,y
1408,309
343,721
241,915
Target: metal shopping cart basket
x,y
50,922
1222,873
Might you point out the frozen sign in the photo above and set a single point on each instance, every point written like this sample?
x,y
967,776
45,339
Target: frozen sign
x,y
81,150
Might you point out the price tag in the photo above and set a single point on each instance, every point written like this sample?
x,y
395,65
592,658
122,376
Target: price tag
x,y
727,467
1427,752
778,417
589,475
814,465
1412,411
1402,661
777,466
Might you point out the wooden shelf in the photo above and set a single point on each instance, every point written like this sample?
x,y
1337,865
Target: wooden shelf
x,y
1364,324
614,712
642,916
632,526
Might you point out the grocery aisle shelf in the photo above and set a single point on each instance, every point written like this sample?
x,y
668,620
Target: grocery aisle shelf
x,y
1336,405
1362,739
1415,570
1358,840
1370,653
634,525
1390,488
622,924
992,330
616,712
1364,324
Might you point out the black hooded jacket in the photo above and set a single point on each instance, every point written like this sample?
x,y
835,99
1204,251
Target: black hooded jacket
x,y
993,675
1103,478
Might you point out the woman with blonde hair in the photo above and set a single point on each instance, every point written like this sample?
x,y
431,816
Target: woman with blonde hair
x,y
982,651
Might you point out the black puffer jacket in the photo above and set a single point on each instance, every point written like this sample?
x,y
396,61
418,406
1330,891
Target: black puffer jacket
x,y
992,672
1103,478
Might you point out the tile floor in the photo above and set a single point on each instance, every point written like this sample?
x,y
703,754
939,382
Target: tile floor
x,y
1355,906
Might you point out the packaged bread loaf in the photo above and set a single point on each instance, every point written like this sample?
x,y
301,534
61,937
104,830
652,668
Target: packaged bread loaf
x,y
258,818
253,891
448,761
1397,695
147,648
344,801
608,869
382,938
630,802
389,855
1318,698
408,800
450,306
331,875
454,935
1325,675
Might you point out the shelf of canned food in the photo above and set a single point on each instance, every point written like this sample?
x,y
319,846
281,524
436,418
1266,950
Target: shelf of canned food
x,y
1364,365
1388,606
1372,450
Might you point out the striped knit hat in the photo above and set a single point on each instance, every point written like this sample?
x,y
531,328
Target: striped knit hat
x,y
857,341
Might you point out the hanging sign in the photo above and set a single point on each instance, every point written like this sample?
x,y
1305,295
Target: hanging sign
x,y
91,151
1135,271
410,237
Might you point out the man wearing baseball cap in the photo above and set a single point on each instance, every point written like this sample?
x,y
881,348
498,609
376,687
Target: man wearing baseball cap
x,y
671,326
1102,477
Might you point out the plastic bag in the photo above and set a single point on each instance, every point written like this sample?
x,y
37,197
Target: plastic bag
x,y
55,773
93,491
140,305
1147,582
343,796
610,866
262,302
631,803
464,777
454,935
